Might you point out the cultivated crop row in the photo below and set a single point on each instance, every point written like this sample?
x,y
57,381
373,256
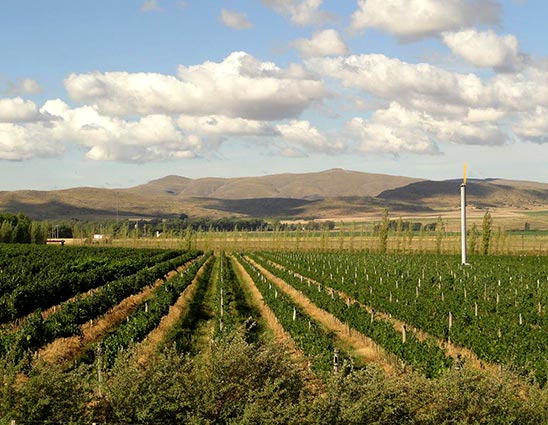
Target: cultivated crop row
x,y
309,336
424,355
148,315
49,276
35,332
496,307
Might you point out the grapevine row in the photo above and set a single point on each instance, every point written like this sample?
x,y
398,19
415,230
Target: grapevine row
x,y
36,332
309,336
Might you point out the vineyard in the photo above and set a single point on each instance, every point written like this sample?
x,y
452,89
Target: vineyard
x,y
138,335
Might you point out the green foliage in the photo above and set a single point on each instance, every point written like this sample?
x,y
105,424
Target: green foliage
x,y
34,332
473,239
422,290
309,335
48,394
465,397
486,231
383,232
237,382
440,230
15,228
257,383
425,355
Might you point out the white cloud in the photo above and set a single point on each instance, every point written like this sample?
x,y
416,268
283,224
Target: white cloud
x,y
25,86
239,86
486,49
32,140
235,20
423,18
421,86
218,125
533,126
150,6
302,137
150,138
13,110
398,129
323,43
301,12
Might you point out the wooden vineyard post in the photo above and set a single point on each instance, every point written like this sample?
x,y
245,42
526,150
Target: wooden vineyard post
x,y
100,369
222,311
450,320
336,361
403,334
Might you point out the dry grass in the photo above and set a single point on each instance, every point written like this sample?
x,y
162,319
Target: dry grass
x,y
64,350
363,347
452,350
271,321
177,310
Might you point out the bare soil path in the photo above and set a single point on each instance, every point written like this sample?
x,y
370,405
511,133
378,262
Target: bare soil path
x,y
180,308
362,347
64,350
279,333
452,350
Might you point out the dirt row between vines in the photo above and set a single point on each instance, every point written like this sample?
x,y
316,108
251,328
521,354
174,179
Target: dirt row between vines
x,y
451,349
53,309
176,311
271,321
64,350
363,347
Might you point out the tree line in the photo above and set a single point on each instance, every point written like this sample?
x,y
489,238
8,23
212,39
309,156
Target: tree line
x,y
18,228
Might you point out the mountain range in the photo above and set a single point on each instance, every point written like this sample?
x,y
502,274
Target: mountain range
x,y
327,194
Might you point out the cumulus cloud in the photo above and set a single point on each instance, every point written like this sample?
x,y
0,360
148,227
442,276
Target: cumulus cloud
x,y
486,49
323,43
423,18
13,110
218,125
239,86
399,129
150,138
301,12
421,86
33,140
303,137
235,20
533,126
150,6
24,86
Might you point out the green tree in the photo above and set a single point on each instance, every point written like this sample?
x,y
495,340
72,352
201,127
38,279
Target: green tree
x,y
399,233
487,229
383,232
440,230
409,236
38,233
6,232
473,239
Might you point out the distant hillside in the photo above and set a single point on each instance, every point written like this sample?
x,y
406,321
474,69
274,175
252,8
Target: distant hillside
x,y
328,194
481,193
321,185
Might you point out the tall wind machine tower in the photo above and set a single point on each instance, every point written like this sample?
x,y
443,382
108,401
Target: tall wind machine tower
x,y
463,218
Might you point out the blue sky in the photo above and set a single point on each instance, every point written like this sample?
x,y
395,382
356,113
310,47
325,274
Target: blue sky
x,y
116,93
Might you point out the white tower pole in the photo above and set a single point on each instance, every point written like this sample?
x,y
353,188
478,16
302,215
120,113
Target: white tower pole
x,y
463,218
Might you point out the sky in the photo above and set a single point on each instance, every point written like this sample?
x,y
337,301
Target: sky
x,y
117,93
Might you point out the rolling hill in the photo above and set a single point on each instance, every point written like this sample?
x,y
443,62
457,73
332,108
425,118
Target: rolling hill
x,y
327,194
